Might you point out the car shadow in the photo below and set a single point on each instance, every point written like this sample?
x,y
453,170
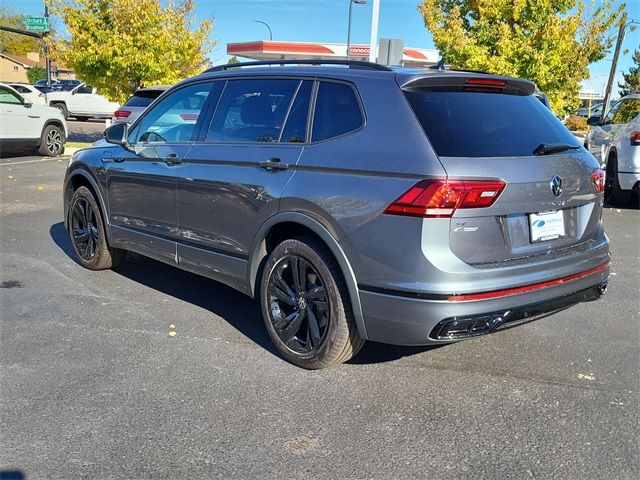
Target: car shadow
x,y
632,204
237,309
13,152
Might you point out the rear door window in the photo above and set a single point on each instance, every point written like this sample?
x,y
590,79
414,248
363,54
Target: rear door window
x,y
295,128
479,124
252,110
626,110
337,111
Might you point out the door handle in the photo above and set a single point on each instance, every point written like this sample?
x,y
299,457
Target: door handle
x,y
273,164
117,160
172,159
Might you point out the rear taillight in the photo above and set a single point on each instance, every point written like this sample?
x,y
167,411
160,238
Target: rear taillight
x,y
634,137
441,198
121,113
598,177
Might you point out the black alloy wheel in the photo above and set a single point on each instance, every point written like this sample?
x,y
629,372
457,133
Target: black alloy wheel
x,y
87,233
84,229
306,305
299,306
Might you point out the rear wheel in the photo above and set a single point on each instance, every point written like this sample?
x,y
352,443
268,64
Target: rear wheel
x,y
63,109
306,307
52,141
87,232
613,194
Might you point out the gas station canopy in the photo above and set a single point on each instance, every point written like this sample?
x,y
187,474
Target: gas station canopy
x,y
273,50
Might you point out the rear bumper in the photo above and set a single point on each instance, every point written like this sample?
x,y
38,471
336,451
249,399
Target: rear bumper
x,y
404,320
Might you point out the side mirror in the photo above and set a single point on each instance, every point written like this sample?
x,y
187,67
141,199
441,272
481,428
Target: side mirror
x,y
27,104
594,121
117,134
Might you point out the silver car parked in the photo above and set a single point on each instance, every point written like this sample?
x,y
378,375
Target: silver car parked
x,y
138,103
353,201
615,141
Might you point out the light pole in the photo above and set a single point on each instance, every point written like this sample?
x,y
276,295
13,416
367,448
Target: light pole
x,y
351,2
268,27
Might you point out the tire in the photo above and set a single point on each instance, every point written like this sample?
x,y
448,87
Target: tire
x,y
63,109
82,119
313,329
52,141
613,194
87,233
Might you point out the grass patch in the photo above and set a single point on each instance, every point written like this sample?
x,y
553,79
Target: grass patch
x,y
76,145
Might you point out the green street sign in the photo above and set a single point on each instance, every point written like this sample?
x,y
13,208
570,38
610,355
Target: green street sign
x,y
37,24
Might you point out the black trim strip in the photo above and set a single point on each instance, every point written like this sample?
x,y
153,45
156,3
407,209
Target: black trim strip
x,y
403,293
186,243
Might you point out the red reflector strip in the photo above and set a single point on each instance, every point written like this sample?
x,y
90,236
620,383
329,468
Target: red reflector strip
x,y
189,117
526,288
634,137
489,82
121,113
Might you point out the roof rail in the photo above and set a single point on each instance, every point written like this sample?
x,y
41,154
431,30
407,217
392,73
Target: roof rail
x,y
356,64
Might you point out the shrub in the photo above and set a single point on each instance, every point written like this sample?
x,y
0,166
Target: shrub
x,y
576,123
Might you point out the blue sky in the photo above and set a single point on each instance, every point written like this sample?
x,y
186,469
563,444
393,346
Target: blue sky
x,y
326,21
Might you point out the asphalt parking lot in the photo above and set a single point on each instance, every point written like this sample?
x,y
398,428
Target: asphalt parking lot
x,y
93,384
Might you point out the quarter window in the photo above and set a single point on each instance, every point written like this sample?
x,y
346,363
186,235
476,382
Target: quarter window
x,y
295,129
252,110
174,119
337,111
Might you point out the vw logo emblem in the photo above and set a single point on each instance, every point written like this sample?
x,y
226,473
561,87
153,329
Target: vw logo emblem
x,y
556,186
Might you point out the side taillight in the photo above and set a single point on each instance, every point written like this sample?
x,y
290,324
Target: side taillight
x,y
598,179
634,137
121,113
441,198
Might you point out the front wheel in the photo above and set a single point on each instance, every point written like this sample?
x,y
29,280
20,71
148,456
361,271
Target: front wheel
x,y
306,307
52,141
87,232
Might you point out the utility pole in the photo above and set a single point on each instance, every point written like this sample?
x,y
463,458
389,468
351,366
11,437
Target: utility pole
x,y
47,59
373,43
614,66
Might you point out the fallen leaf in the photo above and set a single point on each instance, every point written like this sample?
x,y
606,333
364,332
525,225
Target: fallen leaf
x,y
586,376
172,334
40,188
172,326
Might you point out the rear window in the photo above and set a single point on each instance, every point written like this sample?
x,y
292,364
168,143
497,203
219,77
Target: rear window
x,y
143,99
471,124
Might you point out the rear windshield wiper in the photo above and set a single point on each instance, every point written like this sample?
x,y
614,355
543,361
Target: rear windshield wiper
x,y
544,149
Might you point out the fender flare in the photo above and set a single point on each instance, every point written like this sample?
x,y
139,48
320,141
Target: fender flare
x,y
81,171
258,252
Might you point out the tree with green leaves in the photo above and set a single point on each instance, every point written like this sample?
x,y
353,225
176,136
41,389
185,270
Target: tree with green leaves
x,y
36,73
120,45
551,42
14,42
631,78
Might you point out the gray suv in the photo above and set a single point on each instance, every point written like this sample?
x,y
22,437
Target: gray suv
x,y
355,202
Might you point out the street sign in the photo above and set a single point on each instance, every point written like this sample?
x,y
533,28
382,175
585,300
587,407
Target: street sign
x,y
37,24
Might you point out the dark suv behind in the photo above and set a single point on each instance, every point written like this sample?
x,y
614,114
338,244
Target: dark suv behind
x,y
354,201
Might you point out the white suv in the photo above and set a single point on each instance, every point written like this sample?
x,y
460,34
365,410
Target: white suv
x,y
83,103
615,140
25,124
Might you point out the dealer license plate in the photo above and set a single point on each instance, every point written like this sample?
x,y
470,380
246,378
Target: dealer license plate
x,y
545,226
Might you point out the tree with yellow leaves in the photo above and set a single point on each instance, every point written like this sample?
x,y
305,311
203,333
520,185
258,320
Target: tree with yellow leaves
x,y
118,46
551,42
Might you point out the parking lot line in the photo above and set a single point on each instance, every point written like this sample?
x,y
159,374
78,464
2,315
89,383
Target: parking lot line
x,y
32,161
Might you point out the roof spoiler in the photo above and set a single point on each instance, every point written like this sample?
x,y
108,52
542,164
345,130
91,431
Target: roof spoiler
x,y
470,81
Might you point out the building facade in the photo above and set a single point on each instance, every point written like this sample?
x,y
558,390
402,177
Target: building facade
x,y
13,68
